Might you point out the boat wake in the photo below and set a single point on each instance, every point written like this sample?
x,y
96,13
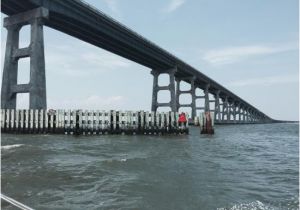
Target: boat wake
x,y
8,147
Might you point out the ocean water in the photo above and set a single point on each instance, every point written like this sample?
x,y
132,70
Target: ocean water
x,y
240,167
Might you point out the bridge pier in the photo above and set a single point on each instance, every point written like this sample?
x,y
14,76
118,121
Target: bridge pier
x,y
206,97
225,109
170,87
217,107
35,51
192,91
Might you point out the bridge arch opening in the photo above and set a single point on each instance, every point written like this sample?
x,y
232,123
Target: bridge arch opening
x,y
199,92
164,96
185,99
23,76
185,86
163,79
24,36
200,102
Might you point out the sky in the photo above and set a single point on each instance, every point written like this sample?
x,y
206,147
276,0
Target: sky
x,y
250,47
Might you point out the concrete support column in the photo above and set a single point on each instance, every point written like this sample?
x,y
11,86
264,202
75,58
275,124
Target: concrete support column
x,y
243,113
172,90
228,111
217,106
193,93
246,115
225,108
154,105
234,113
35,51
239,112
10,70
170,87
206,97
178,81
38,97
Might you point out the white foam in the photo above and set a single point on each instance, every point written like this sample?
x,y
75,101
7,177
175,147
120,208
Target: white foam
x,y
256,205
7,147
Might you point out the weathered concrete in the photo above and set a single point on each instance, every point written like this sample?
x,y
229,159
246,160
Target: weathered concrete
x,y
35,51
217,115
191,91
170,87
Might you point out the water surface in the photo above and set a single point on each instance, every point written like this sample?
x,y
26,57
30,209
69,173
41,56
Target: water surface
x,y
240,167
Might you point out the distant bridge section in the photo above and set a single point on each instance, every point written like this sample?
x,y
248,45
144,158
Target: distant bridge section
x,y
80,20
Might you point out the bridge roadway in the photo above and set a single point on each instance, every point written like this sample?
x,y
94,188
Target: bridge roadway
x,y
80,20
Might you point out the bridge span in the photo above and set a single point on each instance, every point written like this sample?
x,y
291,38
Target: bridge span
x,y
80,20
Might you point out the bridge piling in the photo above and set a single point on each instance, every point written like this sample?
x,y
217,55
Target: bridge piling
x,y
170,87
192,91
35,51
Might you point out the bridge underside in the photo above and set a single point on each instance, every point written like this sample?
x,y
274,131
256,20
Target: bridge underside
x,y
78,19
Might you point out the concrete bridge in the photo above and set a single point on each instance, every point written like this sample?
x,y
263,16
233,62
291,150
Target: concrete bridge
x,y
78,19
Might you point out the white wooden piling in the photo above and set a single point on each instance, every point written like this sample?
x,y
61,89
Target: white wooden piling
x,y
31,119
142,120
41,120
36,120
135,120
152,119
172,120
7,114
157,120
27,120
21,119
46,121
80,126
147,120
17,119
168,120
2,118
12,120
97,121
89,122
114,120
52,121
162,121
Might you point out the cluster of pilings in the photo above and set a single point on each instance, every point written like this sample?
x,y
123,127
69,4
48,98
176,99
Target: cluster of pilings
x,y
90,122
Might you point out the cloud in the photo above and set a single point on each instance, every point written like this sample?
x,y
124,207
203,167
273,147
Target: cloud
x,y
174,5
91,102
235,54
79,60
266,81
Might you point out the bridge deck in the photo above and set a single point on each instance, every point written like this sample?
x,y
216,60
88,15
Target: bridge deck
x,y
78,19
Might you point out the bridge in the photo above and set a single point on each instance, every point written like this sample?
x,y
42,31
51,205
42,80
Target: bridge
x,y
80,20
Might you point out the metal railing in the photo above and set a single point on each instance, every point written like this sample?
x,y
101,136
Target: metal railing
x,y
15,203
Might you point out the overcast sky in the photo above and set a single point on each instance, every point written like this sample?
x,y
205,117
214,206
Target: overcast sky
x,y
250,47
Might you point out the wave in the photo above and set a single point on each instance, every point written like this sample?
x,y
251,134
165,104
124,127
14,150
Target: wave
x,y
8,147
257,205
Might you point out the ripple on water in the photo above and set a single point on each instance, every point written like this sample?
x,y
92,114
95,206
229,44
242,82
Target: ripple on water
x,y
240,167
